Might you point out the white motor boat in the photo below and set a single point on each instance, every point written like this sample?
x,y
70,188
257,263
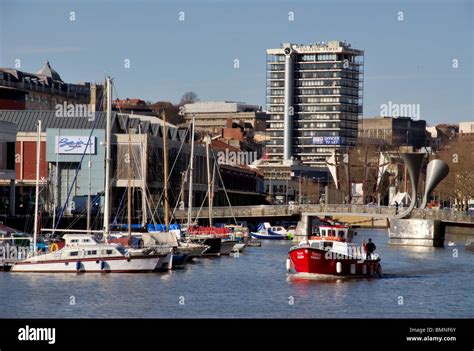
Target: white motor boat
x,y
268,232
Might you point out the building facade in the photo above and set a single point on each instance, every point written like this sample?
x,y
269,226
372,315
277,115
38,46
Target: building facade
x,y
399,131
66,153
212,116
7,166
314,98
44,90
132,106
466,127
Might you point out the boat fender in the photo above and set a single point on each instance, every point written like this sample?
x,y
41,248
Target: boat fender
x,y
353,268
339,267
78,265
288,264
102,264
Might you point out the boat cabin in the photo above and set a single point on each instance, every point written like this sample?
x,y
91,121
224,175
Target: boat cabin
x,y
277,229
79,240
334,232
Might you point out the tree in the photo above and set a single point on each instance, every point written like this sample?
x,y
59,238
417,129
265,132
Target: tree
x,y
459,183
188,98
172,111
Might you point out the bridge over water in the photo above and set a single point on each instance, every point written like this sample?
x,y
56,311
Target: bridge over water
x,y
263,211
422,227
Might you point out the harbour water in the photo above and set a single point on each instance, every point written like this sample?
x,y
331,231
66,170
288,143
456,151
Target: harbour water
x,y
417,283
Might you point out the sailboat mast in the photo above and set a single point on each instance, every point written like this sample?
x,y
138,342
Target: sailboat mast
x,y
107,159
165,171
38,155
89,188
143,146
56,180
129,184
209,180
191,166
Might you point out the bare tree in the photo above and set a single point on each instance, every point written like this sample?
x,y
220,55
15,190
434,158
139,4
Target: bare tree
x,y
172,111
459,183
188,98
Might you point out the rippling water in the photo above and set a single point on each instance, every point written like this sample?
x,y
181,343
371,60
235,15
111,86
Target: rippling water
x,y
433,283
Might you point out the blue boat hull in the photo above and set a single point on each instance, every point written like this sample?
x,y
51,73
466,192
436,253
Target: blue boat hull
x,y
269,236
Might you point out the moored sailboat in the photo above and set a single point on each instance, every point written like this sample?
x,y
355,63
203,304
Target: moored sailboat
x,y
83,252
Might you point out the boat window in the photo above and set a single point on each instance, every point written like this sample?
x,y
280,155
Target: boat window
x,y
107,252
341,233
121,249
74,253
92,252
328,244
75,240
85,240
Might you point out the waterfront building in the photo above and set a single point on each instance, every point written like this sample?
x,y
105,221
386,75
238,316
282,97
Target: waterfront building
x,y
314,99
64,152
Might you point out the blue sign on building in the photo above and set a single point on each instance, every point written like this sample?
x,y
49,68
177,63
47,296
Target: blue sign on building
x,y
329,140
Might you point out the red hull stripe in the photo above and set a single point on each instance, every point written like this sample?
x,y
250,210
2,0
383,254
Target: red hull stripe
x,y
98,271
90,259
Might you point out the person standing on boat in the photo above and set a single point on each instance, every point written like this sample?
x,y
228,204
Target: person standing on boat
x,y
370,248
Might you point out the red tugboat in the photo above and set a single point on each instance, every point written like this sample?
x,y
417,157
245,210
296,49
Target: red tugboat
x,y
332,252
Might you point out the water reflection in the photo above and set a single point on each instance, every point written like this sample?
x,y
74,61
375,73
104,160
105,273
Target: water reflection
x,y
255,284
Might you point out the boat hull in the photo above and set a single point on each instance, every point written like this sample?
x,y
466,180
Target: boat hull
x,y
317,261
133,264
165,262
227,246
269,236
214,246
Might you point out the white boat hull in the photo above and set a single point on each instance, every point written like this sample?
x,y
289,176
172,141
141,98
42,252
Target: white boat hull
x,y
131,264
165,262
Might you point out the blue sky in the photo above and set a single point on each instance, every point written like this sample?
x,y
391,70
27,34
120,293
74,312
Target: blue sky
x,y
406,62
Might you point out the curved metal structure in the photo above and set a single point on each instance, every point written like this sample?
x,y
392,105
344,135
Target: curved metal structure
x,y
413,162
436,171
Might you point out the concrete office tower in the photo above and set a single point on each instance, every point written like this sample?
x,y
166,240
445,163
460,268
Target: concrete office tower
x,y
314,98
